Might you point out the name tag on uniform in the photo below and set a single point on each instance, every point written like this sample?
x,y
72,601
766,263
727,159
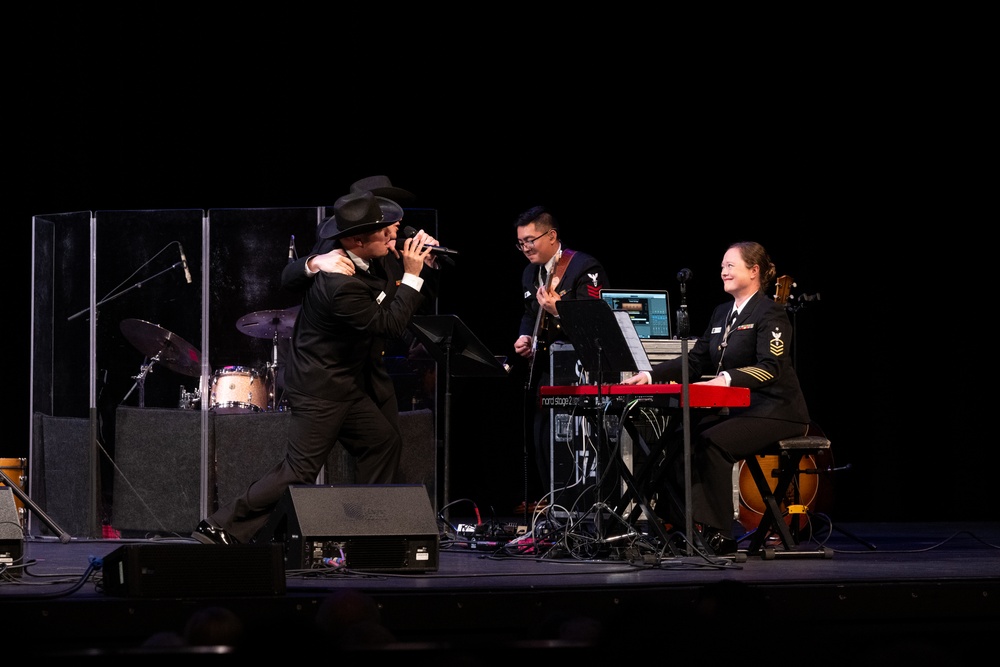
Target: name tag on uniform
x,y
379,298
716,330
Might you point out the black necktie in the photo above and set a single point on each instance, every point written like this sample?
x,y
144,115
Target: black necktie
x,y
725,339
729,328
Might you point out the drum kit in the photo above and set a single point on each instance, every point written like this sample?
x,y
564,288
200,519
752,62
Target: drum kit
x,y
233,389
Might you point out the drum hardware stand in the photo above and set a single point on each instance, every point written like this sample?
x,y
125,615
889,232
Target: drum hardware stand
x,y
275,325
271,374
30,504
163,347
188,398
140,381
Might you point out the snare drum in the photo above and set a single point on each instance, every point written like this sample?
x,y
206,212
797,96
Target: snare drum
x,y
16,471
238,389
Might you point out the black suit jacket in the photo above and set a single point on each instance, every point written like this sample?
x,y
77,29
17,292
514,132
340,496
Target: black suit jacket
x,y
390,268
340,334
584,279
757,354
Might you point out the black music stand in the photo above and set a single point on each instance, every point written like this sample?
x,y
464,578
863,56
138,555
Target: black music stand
x,y
453,344
599,338
607,346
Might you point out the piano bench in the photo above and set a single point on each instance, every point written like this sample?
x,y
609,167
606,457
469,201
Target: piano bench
x,y
790,453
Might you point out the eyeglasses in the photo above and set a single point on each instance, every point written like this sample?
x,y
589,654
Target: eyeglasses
x,y
530,243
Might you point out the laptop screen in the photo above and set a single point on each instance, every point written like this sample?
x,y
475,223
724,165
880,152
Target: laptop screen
x,y
649,310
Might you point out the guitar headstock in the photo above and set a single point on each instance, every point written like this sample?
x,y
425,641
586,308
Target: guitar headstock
x,y
782,289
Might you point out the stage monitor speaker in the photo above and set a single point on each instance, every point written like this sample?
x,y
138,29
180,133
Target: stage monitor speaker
x,y
11,534
194,570
376,528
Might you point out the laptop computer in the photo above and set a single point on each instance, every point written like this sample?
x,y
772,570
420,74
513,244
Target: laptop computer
x,y
649,311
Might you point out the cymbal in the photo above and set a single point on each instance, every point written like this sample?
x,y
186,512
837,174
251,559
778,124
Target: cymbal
x,y
269,323
167,348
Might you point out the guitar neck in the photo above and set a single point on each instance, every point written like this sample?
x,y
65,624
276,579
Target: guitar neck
x,y
540,317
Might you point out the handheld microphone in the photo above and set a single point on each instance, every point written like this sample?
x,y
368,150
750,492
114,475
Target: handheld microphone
x,y
291,249
410,232
184,262
683,276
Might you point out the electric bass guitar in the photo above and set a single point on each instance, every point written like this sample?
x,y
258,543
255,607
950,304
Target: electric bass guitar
x,y
542,319
541,325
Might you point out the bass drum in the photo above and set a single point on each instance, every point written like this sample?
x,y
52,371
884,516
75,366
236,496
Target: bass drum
x,y
237,389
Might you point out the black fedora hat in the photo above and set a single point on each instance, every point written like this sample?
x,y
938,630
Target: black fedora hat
x,y
381,186
359,213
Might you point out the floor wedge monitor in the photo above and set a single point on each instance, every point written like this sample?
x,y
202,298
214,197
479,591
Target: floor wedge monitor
x,y
194,570
376,528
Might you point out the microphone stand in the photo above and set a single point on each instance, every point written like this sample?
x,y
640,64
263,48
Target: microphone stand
x,y
603,443
683,331
112,297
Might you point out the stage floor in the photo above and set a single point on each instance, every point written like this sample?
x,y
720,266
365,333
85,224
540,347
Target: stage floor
x,y
884,588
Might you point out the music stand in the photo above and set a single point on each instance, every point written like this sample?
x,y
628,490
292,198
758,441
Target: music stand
x,y
603,341
453,344
607,345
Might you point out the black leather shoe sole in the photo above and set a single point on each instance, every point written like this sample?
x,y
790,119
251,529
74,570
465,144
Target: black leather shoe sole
x,y
206,533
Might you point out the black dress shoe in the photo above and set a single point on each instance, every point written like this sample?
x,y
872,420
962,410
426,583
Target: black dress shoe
x,y
719,543
206,533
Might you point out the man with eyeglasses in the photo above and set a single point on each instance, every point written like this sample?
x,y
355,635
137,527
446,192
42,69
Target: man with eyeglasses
x,y
554,272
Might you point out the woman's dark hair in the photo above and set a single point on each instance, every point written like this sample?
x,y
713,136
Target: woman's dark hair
x,y
753,253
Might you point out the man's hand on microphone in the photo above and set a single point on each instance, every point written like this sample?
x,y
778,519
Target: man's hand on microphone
x,y
430,259
415,251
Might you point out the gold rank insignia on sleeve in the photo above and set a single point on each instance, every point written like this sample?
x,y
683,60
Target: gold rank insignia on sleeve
x,y
777,345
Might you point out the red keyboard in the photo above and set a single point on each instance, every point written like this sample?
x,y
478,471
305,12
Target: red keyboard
x,y
667,395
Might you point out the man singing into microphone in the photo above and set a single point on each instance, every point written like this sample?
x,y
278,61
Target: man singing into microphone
x,y
326,256
338,386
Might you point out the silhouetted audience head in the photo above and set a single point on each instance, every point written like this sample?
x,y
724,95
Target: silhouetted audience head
x,y
351,619
214,626
166,639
